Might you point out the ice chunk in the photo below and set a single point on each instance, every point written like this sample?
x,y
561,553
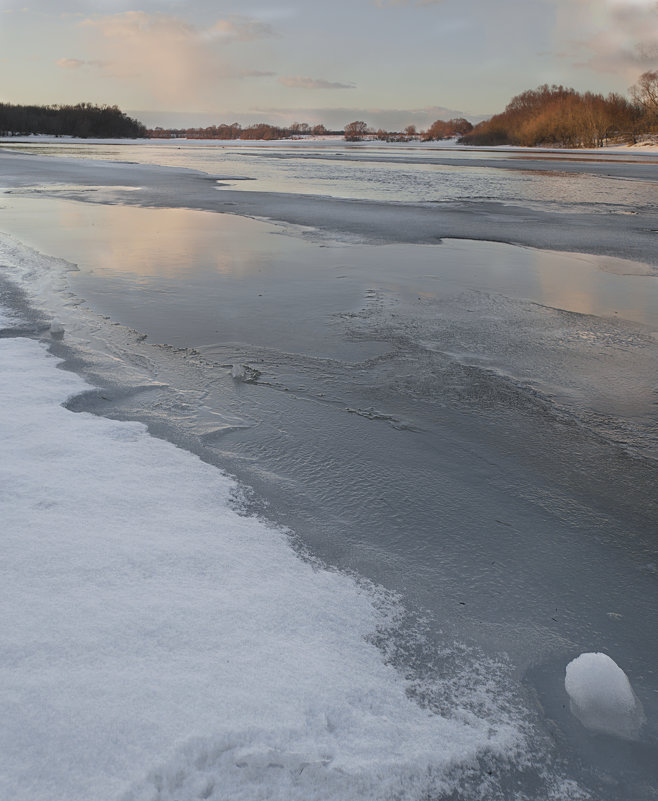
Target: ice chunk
x,y
602,697
56,329
238,372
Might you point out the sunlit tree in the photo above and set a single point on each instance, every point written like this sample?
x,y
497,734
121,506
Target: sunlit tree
x,y
355,131
298,128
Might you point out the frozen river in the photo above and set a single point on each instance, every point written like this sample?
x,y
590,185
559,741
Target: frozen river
x,y
412,173
436,368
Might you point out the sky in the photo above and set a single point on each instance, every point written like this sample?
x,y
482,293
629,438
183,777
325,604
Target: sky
x,y
390,63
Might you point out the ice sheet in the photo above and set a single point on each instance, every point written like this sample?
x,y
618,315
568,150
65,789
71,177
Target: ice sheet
x,y
626,231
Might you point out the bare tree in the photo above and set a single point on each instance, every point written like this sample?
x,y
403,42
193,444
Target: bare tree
x,y
645,94
459,126
440,129
355,131
437,130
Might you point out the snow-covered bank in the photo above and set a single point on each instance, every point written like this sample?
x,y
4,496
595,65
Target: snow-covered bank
x,y
46,139
147,615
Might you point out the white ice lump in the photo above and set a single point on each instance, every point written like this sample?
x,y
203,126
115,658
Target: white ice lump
x,y
602,697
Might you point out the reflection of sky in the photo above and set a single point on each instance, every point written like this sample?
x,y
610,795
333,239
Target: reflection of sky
x,y
190,249
577,284
200,279
144,243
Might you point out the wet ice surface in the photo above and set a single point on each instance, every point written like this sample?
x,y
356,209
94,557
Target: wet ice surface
x,y
563,182
198,279
470,425
629,231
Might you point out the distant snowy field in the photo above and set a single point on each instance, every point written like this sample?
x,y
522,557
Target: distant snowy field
x,y
159,645
641,147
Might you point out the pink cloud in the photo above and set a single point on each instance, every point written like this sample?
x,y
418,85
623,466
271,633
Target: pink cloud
x,y
616,36
176,62
298,82
240,28
70,63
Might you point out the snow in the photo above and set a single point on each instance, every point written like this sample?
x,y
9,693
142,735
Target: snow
x,y
160,645
602,697
646,146
47,139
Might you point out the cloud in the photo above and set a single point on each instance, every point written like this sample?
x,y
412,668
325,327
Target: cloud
x,y
240,29
78,63
391,119
333,118
70,63
617,36
298,82
415,3
177,63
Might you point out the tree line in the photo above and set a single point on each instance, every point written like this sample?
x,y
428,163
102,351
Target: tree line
x,y
548,115
440,129
234,130
353,131
556,115
82,120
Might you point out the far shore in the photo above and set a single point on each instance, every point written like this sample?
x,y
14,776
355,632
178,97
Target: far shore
x,y
647,146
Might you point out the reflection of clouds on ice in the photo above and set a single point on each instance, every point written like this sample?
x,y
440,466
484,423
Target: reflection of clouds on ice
x,y
602,697
146,612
